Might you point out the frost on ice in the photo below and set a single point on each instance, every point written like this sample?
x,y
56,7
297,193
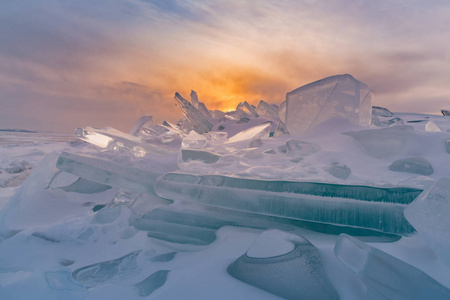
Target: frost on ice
x,y
249,202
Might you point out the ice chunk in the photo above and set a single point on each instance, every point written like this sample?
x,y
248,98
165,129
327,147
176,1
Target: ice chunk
x,y
204,110
194,99
115,140
152,282
381,111
198,121
338,170
281,129
385,276
102,272
266,110
429,214
301,148
340,96
445,112
105,171
292,271
246,107
142,122
366,207
432,127
194,140
282,112
386,122
384,142
416,165
447,145
256,132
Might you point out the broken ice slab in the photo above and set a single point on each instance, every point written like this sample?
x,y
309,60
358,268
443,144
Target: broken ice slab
x,y
115,140
142,122
249,109
386,122
204,110
381,111
108,172
432,127
298,147
266,110
447,145
198,121
92,275
429,214
340,171
152,283
194,99
384,142
445,112
385,276
340,96
256,132
286,265
194,140
360,206
416,165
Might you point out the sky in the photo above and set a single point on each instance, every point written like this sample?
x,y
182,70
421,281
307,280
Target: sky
x,y
71,63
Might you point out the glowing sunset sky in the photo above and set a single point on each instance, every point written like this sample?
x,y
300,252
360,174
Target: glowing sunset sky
x,y
66,64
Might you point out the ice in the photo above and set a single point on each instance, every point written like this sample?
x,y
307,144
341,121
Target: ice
x,y
338,170
298,147
197,120
445,112
152,282
194,140
385,276
416,165
108,172
340,96
292,272
256,132
142,122
429,214
194,99
432,127
115,140
204,110
381,111
266,110
249,109
95,274
359,206
384,142
199,155
447,145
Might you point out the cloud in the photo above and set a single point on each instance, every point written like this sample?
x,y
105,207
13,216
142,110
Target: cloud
x,y
115,60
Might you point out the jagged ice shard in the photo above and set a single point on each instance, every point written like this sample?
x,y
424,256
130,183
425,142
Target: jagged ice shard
x,y
198,121
385,276
340,96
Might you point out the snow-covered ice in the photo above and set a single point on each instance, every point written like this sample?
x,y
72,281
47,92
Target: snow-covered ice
x,y
247,204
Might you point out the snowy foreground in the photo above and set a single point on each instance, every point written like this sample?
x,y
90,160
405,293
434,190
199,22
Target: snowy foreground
x,y
322,197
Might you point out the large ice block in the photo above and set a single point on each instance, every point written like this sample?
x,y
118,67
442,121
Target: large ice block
x,y
105,171
384,142
429,214
198,121
266,110
385,276
360,206
340,96
286,265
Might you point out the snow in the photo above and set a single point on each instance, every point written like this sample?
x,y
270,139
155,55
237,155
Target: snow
x,y
163,212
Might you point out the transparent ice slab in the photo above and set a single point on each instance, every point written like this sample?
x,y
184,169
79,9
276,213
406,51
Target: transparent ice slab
x,y
447,145
295,272
198,121
108,172
340,96
384,142
415,165
432,127
142,122
256,132
381,111
385,276
359,206
115,140
429,214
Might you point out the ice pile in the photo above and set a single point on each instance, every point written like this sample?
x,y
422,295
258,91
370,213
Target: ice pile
x,y
261,191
